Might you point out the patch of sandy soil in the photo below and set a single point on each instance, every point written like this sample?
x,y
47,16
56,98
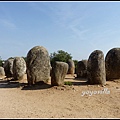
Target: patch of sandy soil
x,y
79,100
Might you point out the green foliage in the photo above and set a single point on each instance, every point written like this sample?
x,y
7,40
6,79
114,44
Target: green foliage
x,y
60,56
11,58
67,83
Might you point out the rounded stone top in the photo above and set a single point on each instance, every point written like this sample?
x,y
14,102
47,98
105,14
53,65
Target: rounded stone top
x,y
113,50
37,49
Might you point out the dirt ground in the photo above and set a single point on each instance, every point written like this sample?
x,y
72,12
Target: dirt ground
x,y
79,100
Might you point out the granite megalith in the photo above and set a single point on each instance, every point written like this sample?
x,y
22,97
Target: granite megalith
x,y
96,68
112,64
81,70
8,67
71,67
38,65
19,68
58,73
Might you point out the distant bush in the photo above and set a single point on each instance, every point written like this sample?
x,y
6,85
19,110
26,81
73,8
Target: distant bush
x,y
60,56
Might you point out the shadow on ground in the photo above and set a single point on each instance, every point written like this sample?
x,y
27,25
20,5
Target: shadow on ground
x,y
10,84
16,84
37,86
77,81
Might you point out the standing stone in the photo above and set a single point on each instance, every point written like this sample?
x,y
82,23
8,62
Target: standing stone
x,y
19,68
112,64
71,67
81,69
96,68
59,71
38,65
2,72
8,67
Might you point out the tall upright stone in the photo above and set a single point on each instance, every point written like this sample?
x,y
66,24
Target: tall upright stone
x,y
82,69
96,68
112,64
19,68
58,73
8,67
38,65
71,67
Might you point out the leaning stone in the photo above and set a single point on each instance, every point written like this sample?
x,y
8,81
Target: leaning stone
x,y
59,71
38,65
96,68
19,68
112,64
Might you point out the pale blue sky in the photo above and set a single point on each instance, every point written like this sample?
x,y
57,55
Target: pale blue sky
x,y
78,28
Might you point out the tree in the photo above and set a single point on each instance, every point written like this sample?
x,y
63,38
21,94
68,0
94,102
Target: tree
x,y
60,56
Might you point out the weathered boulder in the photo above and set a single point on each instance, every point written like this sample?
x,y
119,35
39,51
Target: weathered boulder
x,y
96,68
38,65
8,67
2,72
71,67
19,68
81,69
112,64
59,71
